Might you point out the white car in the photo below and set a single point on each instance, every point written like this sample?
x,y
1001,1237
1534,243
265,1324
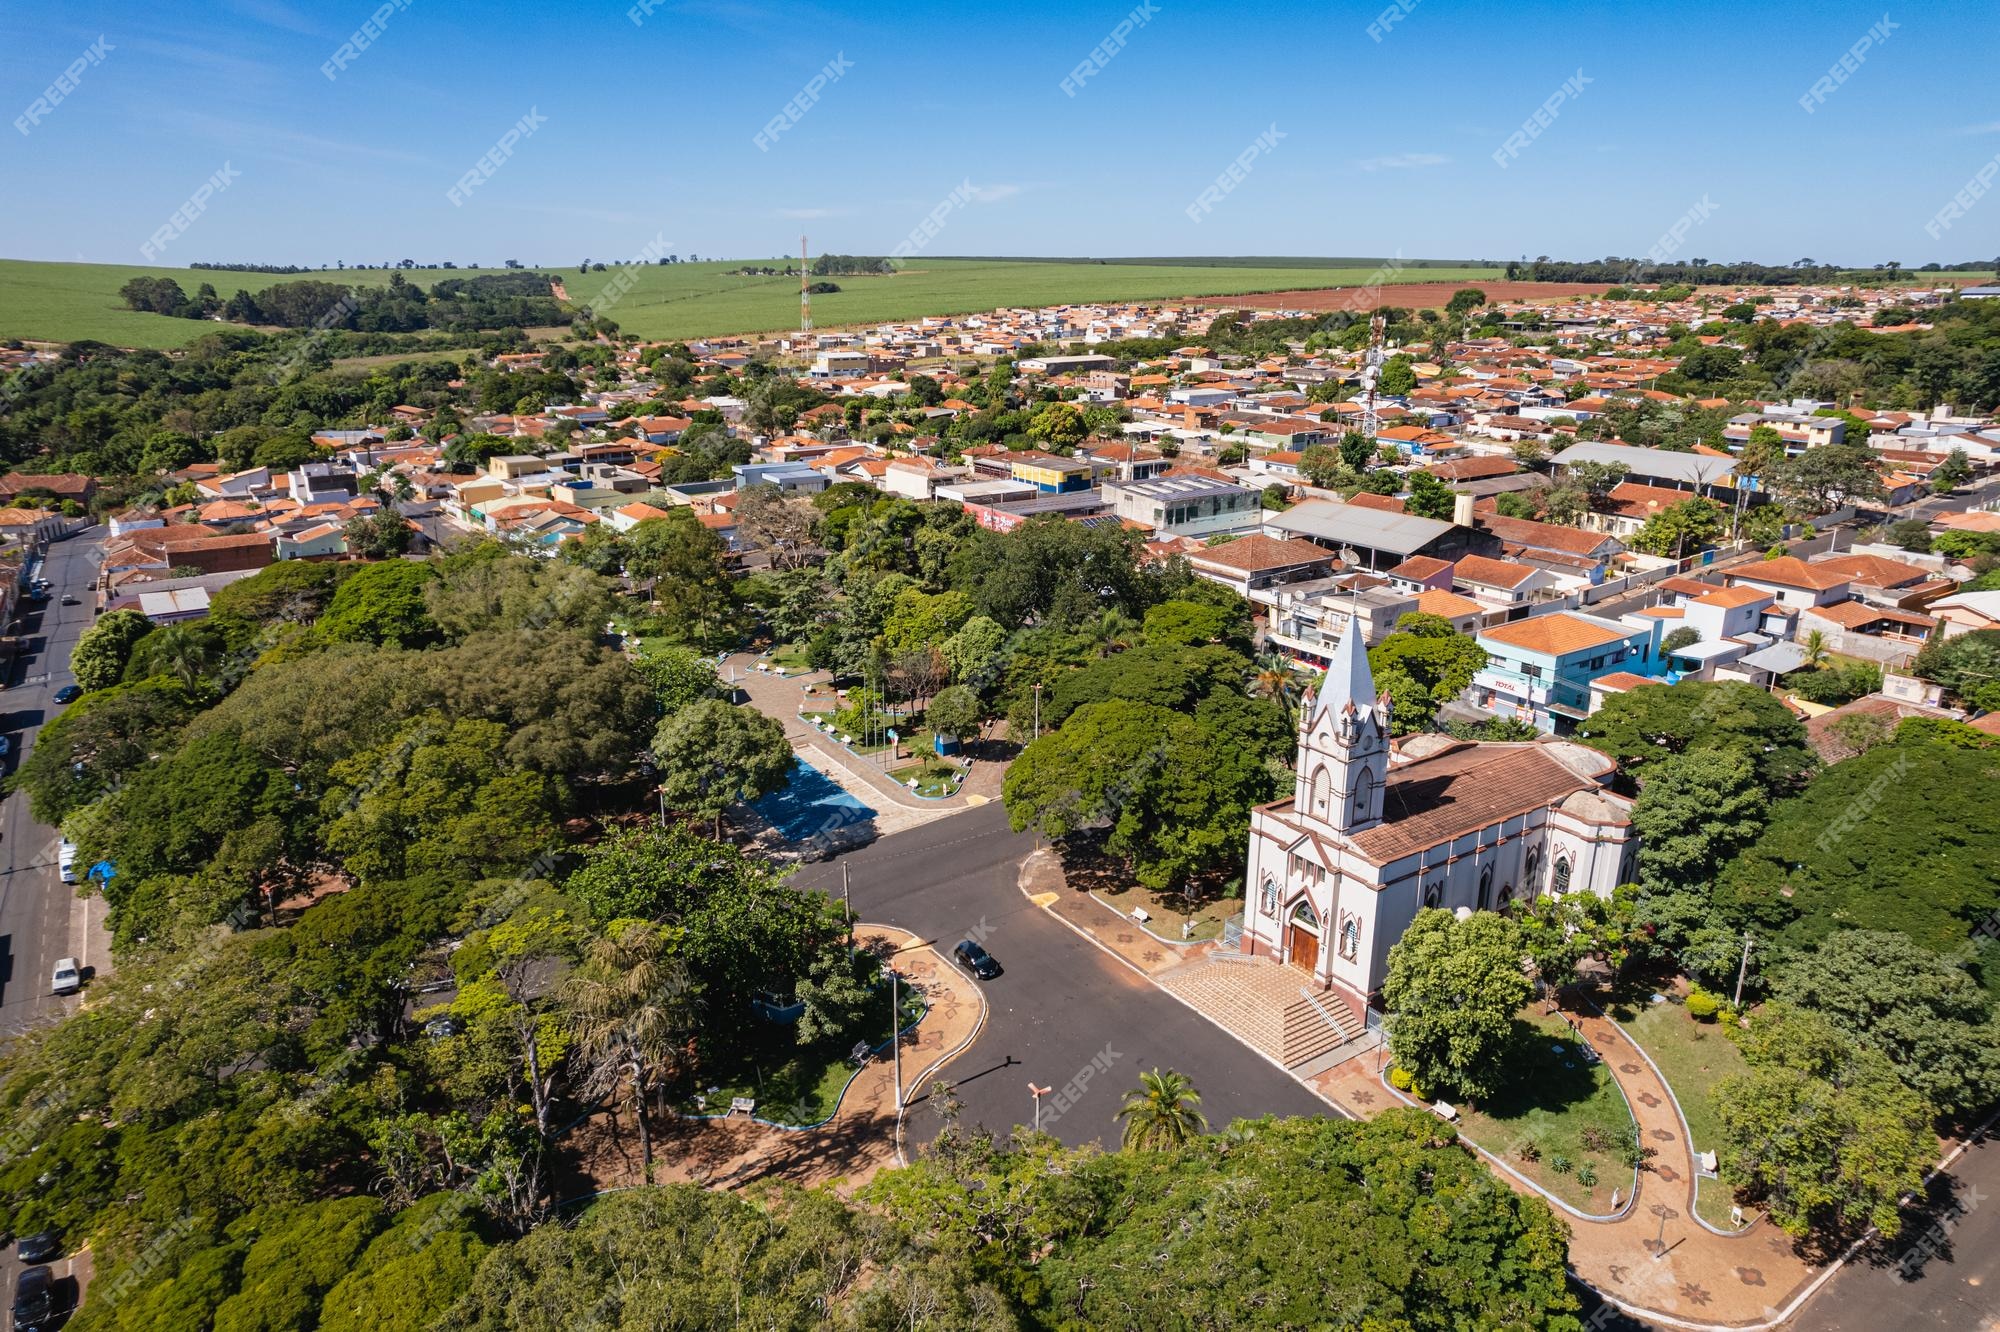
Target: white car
x,y
66,862
67,979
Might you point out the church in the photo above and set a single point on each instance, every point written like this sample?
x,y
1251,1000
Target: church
x,y
1375,832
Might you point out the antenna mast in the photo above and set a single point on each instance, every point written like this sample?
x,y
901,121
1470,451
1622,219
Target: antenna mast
x,y
805,291
1371,370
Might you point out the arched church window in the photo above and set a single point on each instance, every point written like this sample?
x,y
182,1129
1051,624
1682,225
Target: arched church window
x,y
1562,875
1350,938
1316,791
1534,866
1434,894
1304,914
1364,793
1270,896
1485,886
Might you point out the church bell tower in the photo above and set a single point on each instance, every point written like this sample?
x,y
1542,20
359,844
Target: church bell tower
x,y
1344,743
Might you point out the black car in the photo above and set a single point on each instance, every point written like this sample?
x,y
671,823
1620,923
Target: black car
x,y
34,1299
976,960
68,694
39,1248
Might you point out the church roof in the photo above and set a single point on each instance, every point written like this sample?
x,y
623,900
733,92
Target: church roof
x,y
1463,789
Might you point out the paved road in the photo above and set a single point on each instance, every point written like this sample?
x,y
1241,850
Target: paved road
x,y
40,917
1953,1256
35,905
1062,1006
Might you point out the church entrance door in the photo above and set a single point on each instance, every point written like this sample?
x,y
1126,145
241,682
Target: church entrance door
x,y
1304,950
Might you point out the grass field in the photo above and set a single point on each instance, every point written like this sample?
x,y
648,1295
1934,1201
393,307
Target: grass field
x,y
65,302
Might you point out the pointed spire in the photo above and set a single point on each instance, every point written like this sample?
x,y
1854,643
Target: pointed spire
x,y
1349,683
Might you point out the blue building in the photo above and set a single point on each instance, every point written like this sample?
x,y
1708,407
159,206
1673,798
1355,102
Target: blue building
x,y
1539,669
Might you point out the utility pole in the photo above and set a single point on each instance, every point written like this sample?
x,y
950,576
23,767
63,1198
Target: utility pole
x,y
1038,1093
1742,970
805,292
845,909
1038,710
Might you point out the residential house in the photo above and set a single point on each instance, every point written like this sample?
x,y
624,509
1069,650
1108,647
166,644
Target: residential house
x,y
1792,581
1192,506
1539,670
1252,563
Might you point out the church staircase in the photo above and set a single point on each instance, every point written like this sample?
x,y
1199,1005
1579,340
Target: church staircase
x,y
1271,1008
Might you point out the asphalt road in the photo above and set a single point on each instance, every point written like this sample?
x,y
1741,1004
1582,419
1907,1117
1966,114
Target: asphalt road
x,y
35,905
1942,1274
41,918
1063,1010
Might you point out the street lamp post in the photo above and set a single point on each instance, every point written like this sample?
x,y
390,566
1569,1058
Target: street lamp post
x,y
896,1033
1037,1093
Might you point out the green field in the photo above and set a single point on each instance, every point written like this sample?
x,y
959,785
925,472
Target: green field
x,y
65,302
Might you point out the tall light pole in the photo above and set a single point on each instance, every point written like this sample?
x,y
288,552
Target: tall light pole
x,y
1038,1093
846,909
896,1033
1038,710
1742,970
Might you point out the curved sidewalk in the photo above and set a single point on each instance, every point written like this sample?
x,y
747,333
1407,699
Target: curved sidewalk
x,y
1656,1259
895,807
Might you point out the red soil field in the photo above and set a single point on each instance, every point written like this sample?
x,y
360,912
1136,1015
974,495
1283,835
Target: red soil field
x,y
1409,295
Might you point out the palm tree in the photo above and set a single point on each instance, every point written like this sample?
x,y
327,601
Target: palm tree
x,y
1274,681
1816,648
1162,1112
1111,632
630,1011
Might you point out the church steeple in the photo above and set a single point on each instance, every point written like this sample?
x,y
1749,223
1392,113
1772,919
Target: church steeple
x,y
1344,742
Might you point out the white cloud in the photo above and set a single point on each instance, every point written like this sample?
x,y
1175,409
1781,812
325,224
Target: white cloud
x,y
995,193
1990,127
1402,161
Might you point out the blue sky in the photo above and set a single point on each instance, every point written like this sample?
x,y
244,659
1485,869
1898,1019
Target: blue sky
x,y
649,130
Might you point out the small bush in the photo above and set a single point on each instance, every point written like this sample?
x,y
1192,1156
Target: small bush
x,y
1560,1164
1703,1006
1595,1139
1586,1175
1400,1079
1529,1151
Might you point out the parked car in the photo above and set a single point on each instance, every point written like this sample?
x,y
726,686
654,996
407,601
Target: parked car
x,y
66,861
39,1247
34,1299
68,694
69,600
976,960
67,980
